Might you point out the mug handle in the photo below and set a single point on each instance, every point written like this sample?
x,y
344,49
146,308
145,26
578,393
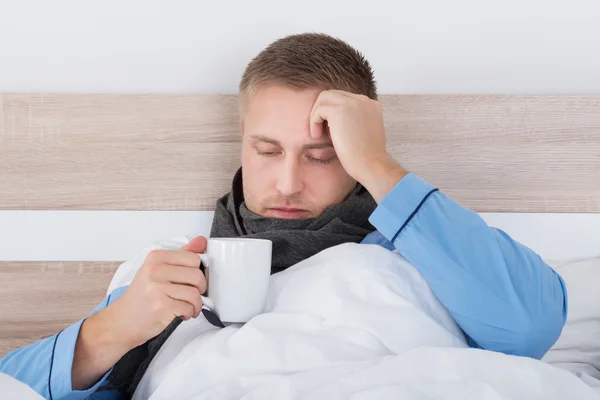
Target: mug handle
x,y
207,302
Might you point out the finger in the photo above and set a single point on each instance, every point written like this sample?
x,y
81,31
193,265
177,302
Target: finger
x,y
323,106
174,257
318,116
333,97
181,309
185,293
315,120
197,245
316,130
343,93
181,275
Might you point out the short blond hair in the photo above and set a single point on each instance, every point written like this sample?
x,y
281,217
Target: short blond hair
x,y
309,60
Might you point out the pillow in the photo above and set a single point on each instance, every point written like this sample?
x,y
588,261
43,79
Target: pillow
x,y
578,347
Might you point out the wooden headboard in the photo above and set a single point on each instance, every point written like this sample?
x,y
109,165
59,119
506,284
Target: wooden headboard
x,y
178,152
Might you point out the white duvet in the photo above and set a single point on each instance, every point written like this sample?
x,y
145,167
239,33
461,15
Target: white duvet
x,y
352,322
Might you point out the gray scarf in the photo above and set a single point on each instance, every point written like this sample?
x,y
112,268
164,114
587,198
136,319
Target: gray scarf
x,y
293,241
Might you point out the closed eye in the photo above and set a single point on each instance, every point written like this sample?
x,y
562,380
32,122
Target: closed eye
x,y
320,160
268,153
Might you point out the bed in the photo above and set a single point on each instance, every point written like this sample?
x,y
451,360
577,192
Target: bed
x,y
88,179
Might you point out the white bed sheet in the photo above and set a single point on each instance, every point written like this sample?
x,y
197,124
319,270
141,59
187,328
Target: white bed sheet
x,y
373,331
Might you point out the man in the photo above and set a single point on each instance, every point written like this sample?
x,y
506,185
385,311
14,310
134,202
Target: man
x,y
313,141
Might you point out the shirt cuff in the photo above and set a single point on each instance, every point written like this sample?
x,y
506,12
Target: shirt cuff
x,y
62,364
398,206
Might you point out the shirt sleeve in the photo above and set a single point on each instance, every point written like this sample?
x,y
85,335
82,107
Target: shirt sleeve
x,y
501,293
46,365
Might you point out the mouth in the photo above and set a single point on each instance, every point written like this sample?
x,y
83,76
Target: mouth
x,y
287,213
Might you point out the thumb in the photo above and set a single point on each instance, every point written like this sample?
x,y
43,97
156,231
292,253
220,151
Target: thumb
x,y
197,245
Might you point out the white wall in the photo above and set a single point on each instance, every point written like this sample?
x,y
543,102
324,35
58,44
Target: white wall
x,y
194,46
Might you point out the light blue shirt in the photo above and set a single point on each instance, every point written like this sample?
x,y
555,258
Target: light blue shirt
x,y
503,296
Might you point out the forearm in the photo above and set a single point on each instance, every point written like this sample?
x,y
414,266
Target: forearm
x,y
381,177
99,346
500,292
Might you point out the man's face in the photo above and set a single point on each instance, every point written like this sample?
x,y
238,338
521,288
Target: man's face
x,y
287,174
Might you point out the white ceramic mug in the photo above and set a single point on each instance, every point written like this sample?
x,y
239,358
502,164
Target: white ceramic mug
x,y
237,272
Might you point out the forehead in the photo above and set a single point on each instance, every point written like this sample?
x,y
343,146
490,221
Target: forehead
x,y
280,112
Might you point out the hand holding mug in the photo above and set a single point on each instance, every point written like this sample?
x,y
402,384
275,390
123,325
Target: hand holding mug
x,y
169,284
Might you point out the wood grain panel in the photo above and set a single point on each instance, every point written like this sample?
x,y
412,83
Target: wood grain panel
x,y
502,153
178,152
41,298
117,152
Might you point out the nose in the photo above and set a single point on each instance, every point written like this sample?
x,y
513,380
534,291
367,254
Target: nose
x,y
290,180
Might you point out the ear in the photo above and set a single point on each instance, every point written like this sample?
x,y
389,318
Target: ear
x,y
242,126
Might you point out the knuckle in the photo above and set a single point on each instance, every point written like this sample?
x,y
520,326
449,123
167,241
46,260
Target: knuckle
x,y
155,255
189,312
153,291
186,312
195,299
198,303
152,269
187,292
199,280
195,293
194,260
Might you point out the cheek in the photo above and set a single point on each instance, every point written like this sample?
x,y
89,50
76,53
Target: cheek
x,y
252,161
258,179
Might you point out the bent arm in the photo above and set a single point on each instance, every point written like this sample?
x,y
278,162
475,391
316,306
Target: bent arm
x,y
501,293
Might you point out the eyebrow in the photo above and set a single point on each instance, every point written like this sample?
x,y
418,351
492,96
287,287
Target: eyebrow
x,y
324,145
262,138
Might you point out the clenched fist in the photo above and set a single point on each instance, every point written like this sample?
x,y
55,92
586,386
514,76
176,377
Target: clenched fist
x,y
357,133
